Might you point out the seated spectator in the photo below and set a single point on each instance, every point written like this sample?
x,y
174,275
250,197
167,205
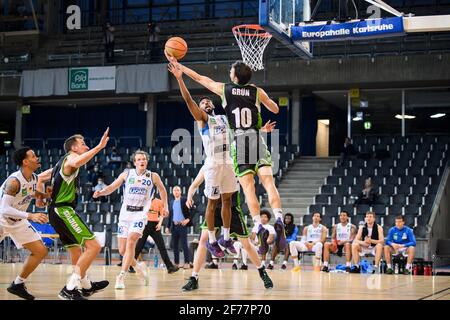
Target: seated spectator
x,y
291,235
264,235
347,151
114,159
368,194
313,238
94,172
341,241
400,241
368,240
100,185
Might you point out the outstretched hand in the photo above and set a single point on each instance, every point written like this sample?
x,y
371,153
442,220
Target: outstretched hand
x,y
175,69
169,57
269,126
105,139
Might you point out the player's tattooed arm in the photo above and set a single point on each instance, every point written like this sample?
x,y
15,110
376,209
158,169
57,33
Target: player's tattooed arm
x,y
12,187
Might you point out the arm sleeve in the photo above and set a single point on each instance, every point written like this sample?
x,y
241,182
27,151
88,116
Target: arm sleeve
x,y
389,237
294,234
411,238
7,210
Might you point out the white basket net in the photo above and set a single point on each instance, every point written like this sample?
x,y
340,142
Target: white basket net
x,y
252,40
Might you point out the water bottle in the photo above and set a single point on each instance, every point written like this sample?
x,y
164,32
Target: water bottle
x,y
396,265
155,264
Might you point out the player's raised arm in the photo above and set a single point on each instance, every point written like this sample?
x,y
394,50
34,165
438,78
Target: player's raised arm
x,y
76,161
162,192
208,83
112,187
197,113
267,102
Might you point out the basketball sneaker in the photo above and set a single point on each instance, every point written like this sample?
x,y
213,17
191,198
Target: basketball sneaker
x,y
95,287
172,269
283,266
234,266
406,272
281,235
355,270
268,284
215,249
270,266
325,269
119,282
192,284
74,294
141,269
227,245
212,265
20,290
296,269
347,269
389,271
244,267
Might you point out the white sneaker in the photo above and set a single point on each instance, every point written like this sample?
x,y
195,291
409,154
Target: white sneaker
x,y
141,269
120,285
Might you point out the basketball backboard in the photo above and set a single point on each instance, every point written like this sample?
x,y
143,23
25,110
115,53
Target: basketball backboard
x,y
276,17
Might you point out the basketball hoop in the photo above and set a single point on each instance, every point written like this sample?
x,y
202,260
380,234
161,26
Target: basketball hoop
x,y
252,40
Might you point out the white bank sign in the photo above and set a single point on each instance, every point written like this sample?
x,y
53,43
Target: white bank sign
x,y
92,79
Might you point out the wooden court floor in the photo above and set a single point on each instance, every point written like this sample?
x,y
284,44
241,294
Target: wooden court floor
x,y
225,284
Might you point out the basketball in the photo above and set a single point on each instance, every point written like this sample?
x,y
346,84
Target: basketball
x,y
176,47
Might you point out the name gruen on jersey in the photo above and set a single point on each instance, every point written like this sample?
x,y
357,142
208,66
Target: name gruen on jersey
x,y
240,92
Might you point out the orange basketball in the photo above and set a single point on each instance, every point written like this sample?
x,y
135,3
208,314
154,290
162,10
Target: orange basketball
x,y
176,47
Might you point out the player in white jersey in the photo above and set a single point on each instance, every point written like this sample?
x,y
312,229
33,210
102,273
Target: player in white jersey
x,y
313,238
341,240
139,188
220,180
16,194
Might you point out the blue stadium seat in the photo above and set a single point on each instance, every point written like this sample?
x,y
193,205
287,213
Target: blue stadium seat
x,y
403,189
362,209
91,207
331,180
384,198
416,199
336,199
407,180
379,209
327,189
349,208
412,209
399,199
395,209
331,210
321,199
418,189
315,208
392,180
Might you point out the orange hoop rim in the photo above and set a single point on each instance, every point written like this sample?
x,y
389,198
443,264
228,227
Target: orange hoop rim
x,y
255,27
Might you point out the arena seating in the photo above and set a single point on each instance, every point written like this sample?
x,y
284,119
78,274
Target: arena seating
x,y
407,180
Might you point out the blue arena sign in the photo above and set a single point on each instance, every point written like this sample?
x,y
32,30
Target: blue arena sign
x,y
371,28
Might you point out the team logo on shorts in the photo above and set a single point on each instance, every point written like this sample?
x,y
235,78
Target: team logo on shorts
x,y
214,191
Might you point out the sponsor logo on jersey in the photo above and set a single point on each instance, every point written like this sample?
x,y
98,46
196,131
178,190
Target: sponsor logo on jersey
x,y
24,192
240,92
220,129
131,181
137,190
25,200
213,120
148,175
